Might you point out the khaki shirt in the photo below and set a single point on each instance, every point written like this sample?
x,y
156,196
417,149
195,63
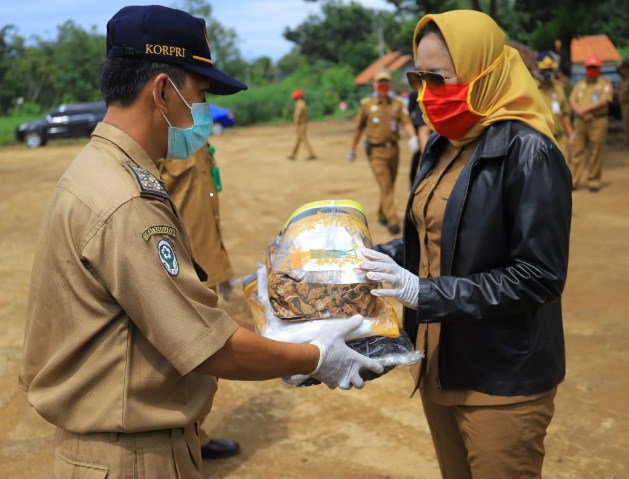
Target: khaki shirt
x,y
193,191
428,208
555,98
585,93
117,318
381,118
300,116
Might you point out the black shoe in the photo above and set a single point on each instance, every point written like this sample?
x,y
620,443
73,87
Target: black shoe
x,y
382,220
394,229
219,449
595,189
311,157
291,157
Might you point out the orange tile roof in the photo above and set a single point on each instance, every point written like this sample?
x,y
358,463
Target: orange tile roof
x,y
599,45
390,61
399,62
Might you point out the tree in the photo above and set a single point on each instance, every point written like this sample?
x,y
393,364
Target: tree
x,y
76,56
342,35
223,41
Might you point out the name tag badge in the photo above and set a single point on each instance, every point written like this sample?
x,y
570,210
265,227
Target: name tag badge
x,y
595,97
393,125
555,106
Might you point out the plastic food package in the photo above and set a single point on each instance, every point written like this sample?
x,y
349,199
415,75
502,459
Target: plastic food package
x,y
311,277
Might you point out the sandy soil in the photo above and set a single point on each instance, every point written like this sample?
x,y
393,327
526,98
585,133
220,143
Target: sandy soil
x,y
312,433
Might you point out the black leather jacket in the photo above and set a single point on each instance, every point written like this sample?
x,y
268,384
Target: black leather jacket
x,y
504,259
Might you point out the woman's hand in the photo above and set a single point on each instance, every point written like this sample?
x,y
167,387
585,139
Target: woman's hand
x,y
404,284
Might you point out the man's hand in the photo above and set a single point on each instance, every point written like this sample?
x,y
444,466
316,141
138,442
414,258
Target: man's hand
x,y
351,155
404,284
339,365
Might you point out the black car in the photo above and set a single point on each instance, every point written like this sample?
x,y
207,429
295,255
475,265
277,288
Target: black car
x,y
71,120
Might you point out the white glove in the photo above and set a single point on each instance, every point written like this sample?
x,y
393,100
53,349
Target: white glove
x,y
339,365
413,144
351,155
225,289
404,284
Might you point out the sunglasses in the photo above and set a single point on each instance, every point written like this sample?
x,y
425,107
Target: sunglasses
x,y
416,78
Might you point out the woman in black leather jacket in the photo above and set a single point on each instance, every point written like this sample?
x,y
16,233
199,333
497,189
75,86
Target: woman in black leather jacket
x,y
483,261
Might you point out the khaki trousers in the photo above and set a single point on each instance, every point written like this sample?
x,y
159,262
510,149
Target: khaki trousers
x,y
591,136
302,137
480,442
168,454
384,165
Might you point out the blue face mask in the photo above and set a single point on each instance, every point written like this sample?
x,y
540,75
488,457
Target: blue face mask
x,y
183,142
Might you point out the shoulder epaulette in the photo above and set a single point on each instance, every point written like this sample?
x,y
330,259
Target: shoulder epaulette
x,y
148,185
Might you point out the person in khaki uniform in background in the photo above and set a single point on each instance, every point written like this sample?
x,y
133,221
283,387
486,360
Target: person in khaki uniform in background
x,y
379,118
552,91
123,343
623,97
193,185
589,100
300,119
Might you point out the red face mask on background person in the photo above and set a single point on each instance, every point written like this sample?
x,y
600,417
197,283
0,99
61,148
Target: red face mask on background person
x,y
447,110
383,88
592,73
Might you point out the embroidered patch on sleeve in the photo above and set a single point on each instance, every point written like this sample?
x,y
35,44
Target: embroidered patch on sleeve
x,y
166,254
159,230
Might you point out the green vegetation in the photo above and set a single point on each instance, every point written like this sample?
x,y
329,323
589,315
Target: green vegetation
x,y
329,50
10,122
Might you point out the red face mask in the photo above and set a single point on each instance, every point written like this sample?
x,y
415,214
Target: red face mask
x,y
383,88
592,73
446,108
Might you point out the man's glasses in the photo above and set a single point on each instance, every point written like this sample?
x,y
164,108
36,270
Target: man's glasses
x,y
416,78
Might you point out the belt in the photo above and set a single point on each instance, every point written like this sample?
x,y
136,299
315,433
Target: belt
x,y
383,145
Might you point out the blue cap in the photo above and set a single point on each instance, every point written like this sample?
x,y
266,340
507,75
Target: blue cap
x,y
162,34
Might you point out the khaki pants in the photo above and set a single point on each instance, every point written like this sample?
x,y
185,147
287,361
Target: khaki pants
x,y
480,442
384,165
302,137
168,453
591,136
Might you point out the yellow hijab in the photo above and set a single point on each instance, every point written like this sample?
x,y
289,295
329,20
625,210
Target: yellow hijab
x,y
506,90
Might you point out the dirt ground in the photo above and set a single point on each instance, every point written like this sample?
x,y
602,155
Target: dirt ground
x,y
313,433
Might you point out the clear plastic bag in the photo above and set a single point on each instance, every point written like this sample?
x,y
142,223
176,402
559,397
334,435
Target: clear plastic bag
x,y
311,278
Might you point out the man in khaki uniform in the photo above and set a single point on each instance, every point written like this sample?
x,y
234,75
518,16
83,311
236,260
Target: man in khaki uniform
x,y
300,119
589,100
623,97
123,343
193,185
552,91
380,117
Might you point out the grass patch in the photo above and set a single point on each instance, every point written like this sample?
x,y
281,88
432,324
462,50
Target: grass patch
x,y
8,124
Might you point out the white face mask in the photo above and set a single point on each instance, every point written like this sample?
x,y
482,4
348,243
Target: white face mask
x,y
183,142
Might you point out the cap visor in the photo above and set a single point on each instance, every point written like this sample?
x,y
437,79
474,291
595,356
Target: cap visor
x,y
220,83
